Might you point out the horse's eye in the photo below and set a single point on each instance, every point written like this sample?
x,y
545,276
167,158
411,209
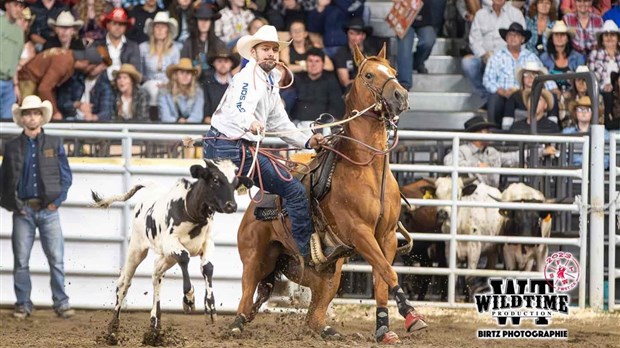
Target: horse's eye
x,y
216,180
369,76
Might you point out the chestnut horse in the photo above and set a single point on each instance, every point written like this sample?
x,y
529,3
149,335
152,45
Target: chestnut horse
x,y
354,209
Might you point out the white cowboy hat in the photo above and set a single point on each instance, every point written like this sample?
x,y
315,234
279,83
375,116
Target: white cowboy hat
x,y
530,66
582,68
32,102
162,17
65,19
608,27
559,27
266,33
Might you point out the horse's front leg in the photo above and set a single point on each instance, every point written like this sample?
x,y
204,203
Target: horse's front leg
x,y
382,333
367,246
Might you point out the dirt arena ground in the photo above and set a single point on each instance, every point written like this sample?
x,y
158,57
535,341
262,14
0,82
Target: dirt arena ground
x,y
447,328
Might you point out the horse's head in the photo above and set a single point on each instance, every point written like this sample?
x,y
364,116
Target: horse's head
x,y
377,79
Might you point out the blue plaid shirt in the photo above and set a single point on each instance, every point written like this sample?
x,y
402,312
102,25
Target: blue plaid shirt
x,y
502,68
29,185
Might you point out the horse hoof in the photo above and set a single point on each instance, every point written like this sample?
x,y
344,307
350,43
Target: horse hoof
x,y
329,333
390,337
415,322
236,332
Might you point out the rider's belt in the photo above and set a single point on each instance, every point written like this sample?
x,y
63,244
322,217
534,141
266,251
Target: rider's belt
x,y
245,142
34,204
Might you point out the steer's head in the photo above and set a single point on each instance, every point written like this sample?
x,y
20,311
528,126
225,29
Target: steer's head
x,y
443,191
216,185
523,222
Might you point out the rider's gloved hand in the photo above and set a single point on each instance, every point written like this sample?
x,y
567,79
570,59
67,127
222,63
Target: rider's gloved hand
x,y
316,141
256,127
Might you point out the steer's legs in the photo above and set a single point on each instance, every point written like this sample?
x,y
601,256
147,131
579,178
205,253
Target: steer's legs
x,y
367,246
162,264
135,256
206,267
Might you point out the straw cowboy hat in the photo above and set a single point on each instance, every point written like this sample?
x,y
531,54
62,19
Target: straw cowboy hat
x,y
583,101
32,102
118,15
185,64
162,17
266,33
559,27
517,28
530,66
477,123
65,20
545,94
130,70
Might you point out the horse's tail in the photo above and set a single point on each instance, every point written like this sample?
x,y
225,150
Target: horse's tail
x,y
101,202
405,249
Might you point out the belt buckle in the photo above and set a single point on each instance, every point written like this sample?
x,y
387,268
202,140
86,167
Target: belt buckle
x,y
34,204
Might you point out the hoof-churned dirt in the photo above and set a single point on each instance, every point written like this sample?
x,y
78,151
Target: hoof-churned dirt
x,y
447,328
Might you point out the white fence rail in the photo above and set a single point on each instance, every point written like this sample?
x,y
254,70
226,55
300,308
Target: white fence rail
x,y
614,222
129,172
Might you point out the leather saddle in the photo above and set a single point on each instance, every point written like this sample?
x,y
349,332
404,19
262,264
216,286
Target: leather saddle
x,y
324,241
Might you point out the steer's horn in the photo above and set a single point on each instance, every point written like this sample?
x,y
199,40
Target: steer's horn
x,y
495,198
469,181
429,179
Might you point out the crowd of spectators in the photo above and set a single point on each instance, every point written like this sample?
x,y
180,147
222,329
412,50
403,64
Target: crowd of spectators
x,y
172,60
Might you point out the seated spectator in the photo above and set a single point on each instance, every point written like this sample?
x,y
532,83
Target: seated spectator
x,y
51,68
543,124
132,102
121,49
141,13
579,88
560,56
585,24
516,103
182,101
282,13
612,121
499,75
234,22
422,27
605,60
327,18
478,153
90,12
484,40
598,6
294,56
317,91
255,24
158,53
218,79
540,17
201,39
65,29
183,12
97,103
343,60
614,13
43,10
12,43
581,113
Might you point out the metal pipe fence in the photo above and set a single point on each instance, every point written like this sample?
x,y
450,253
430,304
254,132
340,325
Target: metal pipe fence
x,y
614,222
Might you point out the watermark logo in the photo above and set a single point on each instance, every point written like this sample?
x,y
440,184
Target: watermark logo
x,y
562,271
517,299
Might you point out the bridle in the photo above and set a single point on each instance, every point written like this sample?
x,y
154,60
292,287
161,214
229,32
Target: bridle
x,y
380,100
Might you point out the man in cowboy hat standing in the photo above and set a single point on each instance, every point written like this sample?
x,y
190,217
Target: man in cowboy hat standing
x,y
499,76
251,106
43,10
478,153
12,43
65,27
35,178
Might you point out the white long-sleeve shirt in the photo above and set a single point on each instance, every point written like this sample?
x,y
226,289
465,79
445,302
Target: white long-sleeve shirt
x,y
484,35
254,95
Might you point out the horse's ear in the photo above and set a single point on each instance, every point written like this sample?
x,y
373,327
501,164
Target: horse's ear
x,y
381,53
358,56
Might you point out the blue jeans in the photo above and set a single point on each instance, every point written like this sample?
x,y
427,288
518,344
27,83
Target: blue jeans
x,y
473,69
24,226
438,8
7,98
293,192
405,61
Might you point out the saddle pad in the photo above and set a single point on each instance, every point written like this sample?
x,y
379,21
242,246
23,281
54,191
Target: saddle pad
x,y
267,209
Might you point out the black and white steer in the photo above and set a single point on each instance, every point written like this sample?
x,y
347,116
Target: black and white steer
x,y
176,224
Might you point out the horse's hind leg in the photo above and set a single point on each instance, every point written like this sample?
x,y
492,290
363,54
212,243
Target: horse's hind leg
x,y
263,292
